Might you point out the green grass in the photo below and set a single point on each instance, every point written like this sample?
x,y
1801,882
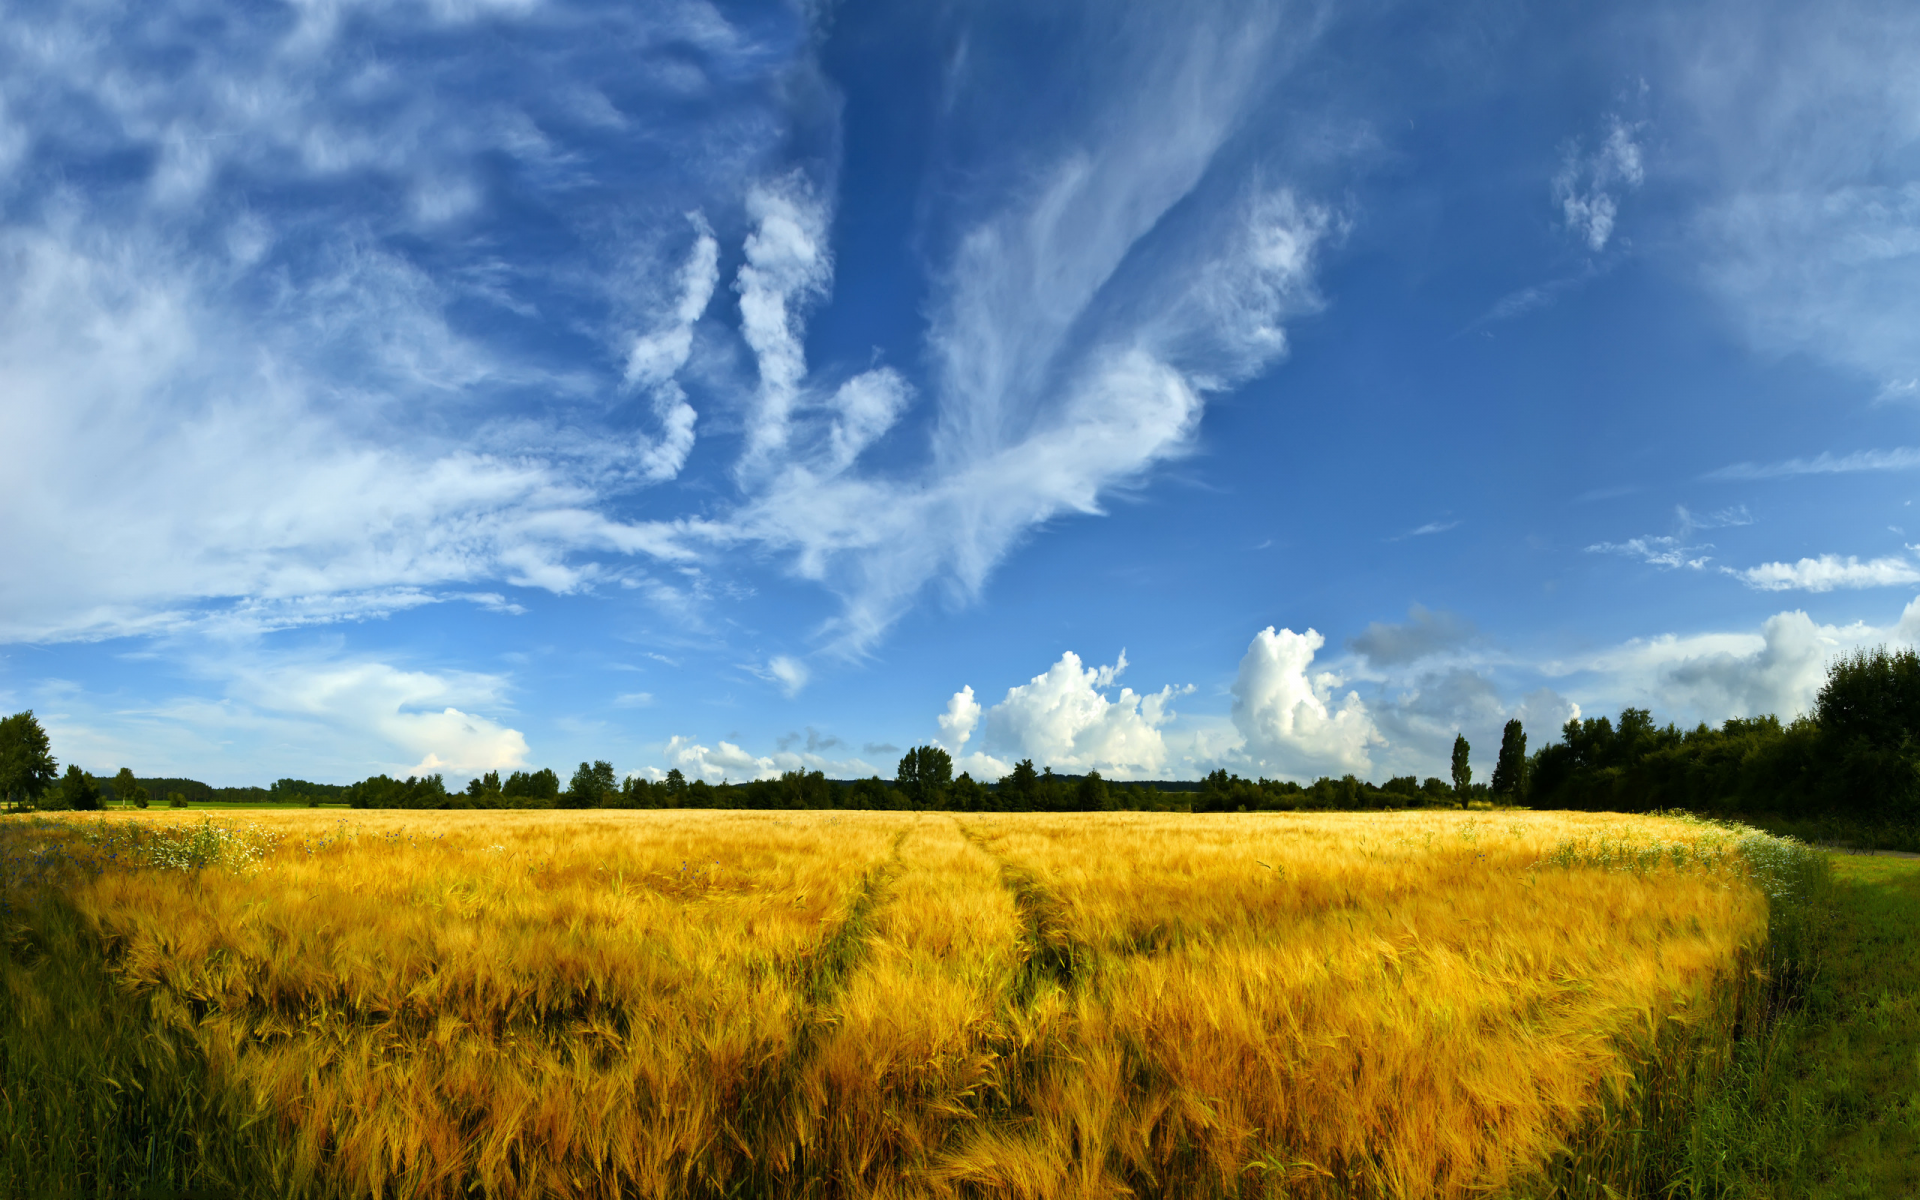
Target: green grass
x,y
1825,1103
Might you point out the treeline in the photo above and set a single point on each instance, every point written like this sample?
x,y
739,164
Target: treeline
x,y
1856,757
923,781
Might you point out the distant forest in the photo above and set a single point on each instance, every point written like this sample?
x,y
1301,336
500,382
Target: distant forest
x,y
1855,758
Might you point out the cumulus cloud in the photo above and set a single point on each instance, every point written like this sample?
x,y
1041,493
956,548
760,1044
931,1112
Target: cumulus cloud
x,y
1066,720
1781,675
1425,632
1828,572
1588,184
1712,676
956,724
727,762
1288,716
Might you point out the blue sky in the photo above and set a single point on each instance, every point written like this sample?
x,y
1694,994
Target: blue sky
x,y
478,384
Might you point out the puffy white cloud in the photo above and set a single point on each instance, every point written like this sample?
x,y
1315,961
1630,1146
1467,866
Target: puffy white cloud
x,y
727,762
1064,719
1781,675
1828,572
1291,722
963,713
1778,668
412,711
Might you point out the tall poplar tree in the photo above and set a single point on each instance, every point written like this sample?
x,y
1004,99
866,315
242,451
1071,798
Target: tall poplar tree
x,y
1510,771
1462,769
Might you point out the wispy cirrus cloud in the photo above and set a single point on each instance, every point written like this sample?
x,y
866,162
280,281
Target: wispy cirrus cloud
x,y
1810,227
1898,459
1657,551
1678,549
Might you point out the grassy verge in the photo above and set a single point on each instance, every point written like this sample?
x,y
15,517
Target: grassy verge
x,y
1830,1107
1805,1080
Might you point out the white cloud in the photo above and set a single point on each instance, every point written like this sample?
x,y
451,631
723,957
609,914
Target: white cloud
x,y
1065,720
281,714
956,724
289,401
1781,675
1828,572
412,711
1805,122
728,762
1667,552
1291,722
1427,530
1586,186
1898,459
787,266
790,672
1712,676
657,358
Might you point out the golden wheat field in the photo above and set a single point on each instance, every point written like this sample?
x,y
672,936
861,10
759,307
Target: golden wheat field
x,y
889,1004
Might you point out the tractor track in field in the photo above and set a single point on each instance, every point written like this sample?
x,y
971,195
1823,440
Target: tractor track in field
x,y
1050,952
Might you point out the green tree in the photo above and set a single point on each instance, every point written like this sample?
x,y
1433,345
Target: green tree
x,y
128,789
1091,794
484,791
1021,787
1510,771
27,767
1872,696
923,776
591,785
78,790
1462,769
